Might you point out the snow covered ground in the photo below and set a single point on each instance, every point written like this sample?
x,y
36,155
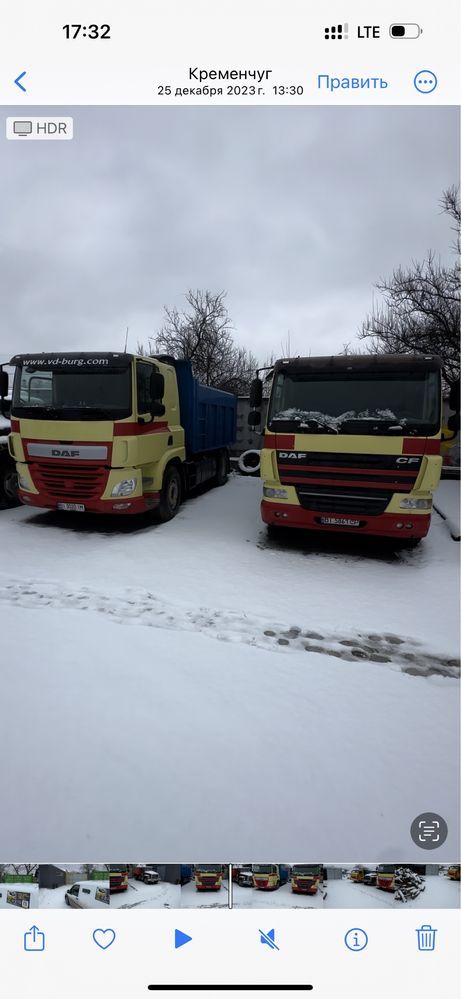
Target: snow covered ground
x,y
54,898
141,896
439,893
164,680
193,899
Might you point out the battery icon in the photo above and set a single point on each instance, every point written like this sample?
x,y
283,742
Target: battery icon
x,y
405,31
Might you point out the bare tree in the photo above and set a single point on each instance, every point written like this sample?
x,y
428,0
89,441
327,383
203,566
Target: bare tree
x,y
202,334
23,868
420,308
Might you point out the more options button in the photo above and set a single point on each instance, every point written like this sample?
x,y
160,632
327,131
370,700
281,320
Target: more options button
x,y
24,128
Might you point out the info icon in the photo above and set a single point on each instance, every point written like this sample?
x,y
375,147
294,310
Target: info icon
x,y
337,32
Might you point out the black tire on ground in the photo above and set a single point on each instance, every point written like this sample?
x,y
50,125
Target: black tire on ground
x,y
222,473
170,496
8,485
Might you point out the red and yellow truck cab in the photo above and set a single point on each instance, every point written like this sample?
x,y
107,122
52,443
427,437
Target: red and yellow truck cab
x,y
358,873
385,877
351,444
208,877
267,877
118,878
305,878
454,872
115,433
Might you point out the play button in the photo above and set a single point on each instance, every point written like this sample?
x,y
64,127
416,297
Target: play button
x,y
180,938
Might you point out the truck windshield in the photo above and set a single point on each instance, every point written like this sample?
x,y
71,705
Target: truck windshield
x,y
85,394
305,869
340,403
263,869
208,869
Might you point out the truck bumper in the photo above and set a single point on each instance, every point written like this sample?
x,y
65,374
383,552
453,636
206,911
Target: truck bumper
x,y
386,525
121,505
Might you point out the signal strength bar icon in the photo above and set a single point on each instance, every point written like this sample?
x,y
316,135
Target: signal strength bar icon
x,y
337,32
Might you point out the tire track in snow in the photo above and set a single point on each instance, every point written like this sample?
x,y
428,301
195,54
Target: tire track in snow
x,y
145,608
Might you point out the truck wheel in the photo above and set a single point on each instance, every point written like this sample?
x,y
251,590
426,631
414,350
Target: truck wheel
x,y
170,496
222,472
8,486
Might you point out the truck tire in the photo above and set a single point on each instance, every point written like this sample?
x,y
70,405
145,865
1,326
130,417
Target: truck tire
x,y
170,496
222,472
8,484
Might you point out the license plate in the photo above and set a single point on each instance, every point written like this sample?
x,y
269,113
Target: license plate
x,y
340,521
77,507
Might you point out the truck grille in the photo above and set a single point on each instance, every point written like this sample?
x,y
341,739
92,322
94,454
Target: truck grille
x,y
355,501
70,483
357,484
368,471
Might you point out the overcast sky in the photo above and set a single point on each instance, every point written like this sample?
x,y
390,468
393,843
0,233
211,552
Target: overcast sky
x,y
295,212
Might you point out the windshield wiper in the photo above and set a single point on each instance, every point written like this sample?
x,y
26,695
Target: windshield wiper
x,y
295,422
323,428
87,414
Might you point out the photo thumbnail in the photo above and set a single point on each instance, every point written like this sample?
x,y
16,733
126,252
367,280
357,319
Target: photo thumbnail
x,y
54,886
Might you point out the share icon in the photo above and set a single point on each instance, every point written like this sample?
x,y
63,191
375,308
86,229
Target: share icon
x,y
269,939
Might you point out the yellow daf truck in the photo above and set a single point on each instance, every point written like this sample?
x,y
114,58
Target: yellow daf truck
x,y
115,433
352,443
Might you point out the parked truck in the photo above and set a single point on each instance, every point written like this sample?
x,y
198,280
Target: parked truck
x,y
385,877
352,443
267,877
305,878
115,433
208,877
8,477
146,873
118,877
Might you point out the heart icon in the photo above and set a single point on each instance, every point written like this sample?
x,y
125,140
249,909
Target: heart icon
x,y
104,938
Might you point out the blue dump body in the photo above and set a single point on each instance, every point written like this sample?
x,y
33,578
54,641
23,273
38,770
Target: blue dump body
x,y
284,872
207,414
186,873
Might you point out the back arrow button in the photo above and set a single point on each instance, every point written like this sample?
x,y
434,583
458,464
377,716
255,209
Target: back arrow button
x,y
18,78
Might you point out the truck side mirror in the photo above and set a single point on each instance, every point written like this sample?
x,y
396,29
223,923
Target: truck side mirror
x,y
254,418
453,423
3,384
453,399
256,393
157,409
157,386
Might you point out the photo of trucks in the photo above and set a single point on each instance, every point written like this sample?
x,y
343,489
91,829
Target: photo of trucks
x,y
352,443
208,877
155,614
115,433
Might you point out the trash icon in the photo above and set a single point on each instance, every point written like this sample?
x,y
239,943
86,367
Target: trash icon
x,y
426,938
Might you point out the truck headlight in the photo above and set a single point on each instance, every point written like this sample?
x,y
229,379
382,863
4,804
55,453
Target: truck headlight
x,y
415,504
23,483
124,488
275,493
